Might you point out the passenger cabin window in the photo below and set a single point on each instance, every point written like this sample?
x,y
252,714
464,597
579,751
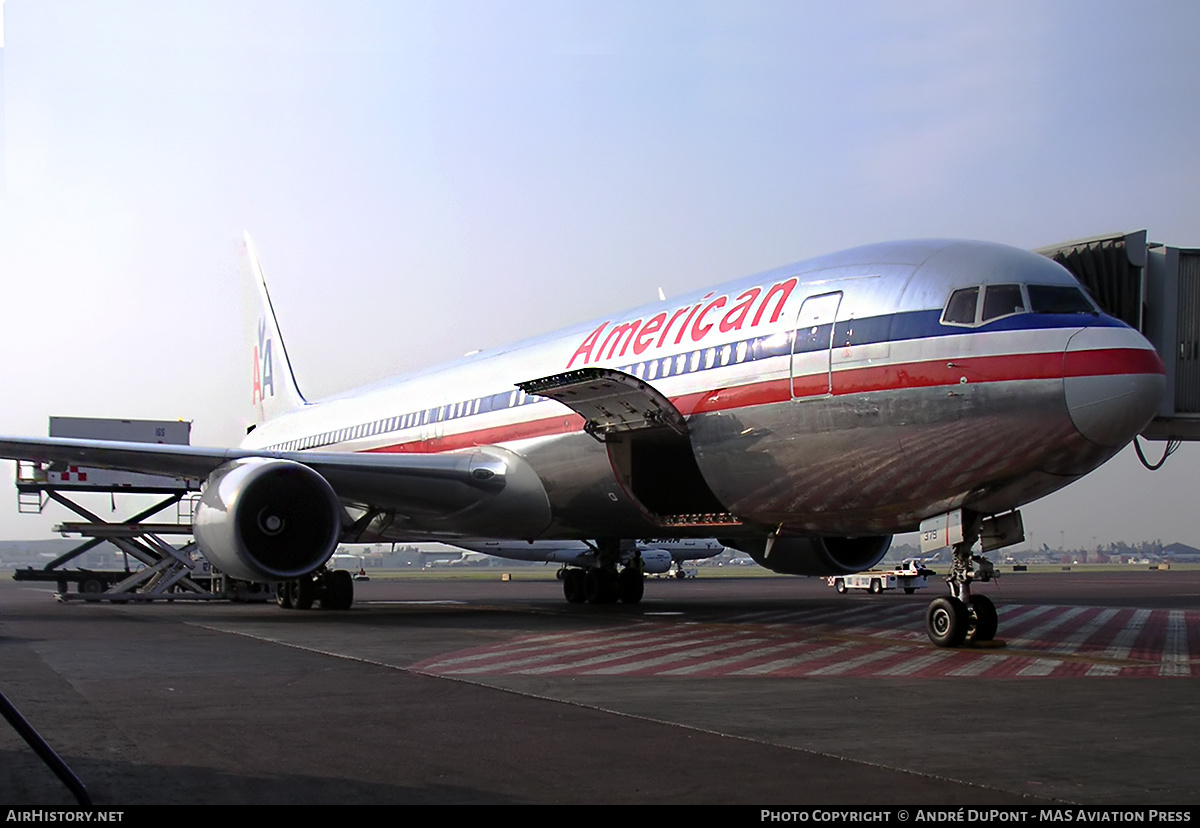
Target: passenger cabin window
x,y
1059,299
1002,300
960,310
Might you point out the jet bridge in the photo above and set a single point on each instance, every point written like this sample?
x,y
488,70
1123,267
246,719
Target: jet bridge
x,y
153,567
1156,289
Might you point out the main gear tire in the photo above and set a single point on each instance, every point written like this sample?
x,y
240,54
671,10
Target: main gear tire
x,y
601,587
339,590
631,585
574,586
304,592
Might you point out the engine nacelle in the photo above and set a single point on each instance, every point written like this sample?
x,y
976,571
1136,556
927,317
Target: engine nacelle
x,y
815,556
267,520
656,561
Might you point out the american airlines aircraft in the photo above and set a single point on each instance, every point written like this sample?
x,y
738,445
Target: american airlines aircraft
x,y
803,416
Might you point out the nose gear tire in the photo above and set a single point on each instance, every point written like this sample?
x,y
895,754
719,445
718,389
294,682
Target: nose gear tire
x,y
946,621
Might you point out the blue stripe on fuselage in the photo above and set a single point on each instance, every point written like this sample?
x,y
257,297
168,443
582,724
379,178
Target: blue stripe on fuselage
x,y
925,324
895,327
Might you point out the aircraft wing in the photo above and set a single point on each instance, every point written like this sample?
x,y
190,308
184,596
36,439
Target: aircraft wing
x,y
147,458
411,484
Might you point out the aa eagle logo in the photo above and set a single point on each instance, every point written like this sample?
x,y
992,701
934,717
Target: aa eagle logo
x,y
263,385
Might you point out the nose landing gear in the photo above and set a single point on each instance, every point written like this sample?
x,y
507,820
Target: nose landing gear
x,y
950,623
962,617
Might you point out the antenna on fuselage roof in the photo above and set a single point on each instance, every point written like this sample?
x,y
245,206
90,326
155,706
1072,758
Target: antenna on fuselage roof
x,y
662,297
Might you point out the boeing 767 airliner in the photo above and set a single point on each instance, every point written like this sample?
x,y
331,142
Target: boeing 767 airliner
x,y
804,416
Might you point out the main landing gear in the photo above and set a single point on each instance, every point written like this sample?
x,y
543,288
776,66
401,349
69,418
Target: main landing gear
x,y
334,589
605,583
961,617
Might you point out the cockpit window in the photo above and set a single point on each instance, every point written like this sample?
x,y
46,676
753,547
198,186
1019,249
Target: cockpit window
x,y
1002,300
960,310
1059,299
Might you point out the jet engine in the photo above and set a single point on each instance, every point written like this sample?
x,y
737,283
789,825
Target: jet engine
x,y
267,520
656,561
815,556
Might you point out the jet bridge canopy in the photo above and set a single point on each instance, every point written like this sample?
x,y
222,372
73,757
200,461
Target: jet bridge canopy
x,y
1111,269
1156,289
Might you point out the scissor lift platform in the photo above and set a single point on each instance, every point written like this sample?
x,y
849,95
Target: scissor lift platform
x,y
159,569
162,569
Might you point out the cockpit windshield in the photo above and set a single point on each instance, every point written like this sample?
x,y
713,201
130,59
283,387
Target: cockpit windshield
x,y
980,304
1059,299
1002,300
960,310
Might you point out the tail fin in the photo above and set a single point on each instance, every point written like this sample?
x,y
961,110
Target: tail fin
x,y
273,389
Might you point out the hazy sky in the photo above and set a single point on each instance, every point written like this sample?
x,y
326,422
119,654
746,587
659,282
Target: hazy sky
x,y
427,178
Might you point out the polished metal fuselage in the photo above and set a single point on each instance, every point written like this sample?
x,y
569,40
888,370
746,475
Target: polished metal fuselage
x,y
827,397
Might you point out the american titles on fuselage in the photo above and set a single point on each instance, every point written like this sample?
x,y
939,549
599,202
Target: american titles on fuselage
x,y
699,320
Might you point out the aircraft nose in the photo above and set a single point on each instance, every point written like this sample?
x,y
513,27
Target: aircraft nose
x,y
1113,383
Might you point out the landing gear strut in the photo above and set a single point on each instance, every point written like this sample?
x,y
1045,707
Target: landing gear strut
x,y
605,583
962,617
333,588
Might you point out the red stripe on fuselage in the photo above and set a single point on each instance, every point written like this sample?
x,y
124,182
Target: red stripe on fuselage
x,y
932,373
567,423
1007,368
1112,362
